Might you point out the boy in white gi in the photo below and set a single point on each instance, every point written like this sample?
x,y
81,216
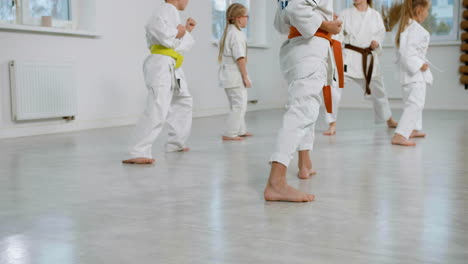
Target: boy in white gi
x,y
305,62
415,75
233,77
169,100
363,34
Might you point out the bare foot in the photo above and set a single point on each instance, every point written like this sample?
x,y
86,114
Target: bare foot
x,y
278,190
232,138
417,133
139,161
247,134
305,165
306,173
331,130
391,123
402,141
184,150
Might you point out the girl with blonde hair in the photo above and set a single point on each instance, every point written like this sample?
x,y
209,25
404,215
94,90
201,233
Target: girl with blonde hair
x,y
412,41
233,77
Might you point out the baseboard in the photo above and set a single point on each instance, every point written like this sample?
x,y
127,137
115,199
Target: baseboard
x,y
56,127
60,126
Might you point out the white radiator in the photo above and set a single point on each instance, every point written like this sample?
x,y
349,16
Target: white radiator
x,y
42,90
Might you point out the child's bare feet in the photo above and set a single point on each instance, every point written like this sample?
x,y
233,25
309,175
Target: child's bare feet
x,y
305,165
391,123
184,150
417,133
278,190
306,173
402,141
232,138
247,134
138,161
331,130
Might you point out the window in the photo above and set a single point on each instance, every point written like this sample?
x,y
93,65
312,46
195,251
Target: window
x,y
30,12
7,11
256,30
219,8
59,10
442,21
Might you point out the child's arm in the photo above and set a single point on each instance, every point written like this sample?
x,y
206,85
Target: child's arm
x,y
409,54
167,36
376,44
187,41
306,20
242,63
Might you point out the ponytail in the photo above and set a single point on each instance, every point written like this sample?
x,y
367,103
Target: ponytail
x,y
232,13
408,11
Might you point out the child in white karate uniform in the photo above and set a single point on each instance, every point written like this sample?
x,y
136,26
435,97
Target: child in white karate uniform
x,y
233,77
412,41
364,31
169,100
305,61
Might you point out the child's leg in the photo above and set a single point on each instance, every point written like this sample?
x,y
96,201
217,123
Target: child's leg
x,y
331,118
243,126
417,131
235,117
380,102
150,125
413,97
304,163
179,122
302,113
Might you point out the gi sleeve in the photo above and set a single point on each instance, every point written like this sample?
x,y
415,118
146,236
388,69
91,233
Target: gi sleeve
x,y
238,46
159,29
279,23
186,43
409,54
380,34
305,17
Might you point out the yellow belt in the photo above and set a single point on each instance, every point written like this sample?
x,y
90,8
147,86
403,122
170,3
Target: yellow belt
x,y
161,50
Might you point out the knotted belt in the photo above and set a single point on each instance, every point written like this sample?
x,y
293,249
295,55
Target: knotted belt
x,y
338,54
161,50
367,72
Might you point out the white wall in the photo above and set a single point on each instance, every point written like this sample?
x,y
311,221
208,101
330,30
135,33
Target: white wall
x,y
110,85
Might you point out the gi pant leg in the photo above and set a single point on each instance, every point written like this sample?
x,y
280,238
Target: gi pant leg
x,y
179,121
300,117
414,95
151,123
235,123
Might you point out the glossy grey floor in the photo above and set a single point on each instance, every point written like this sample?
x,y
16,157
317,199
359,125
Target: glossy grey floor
x,y
68,199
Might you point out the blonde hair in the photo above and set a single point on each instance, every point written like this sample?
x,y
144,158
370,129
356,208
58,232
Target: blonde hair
x,y
408,11
233,12
369,3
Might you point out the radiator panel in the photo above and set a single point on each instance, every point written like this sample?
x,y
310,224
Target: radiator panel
x,y
42,90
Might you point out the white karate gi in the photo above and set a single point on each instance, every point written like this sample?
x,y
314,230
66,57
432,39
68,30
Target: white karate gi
x,y
169,100
359,29
414,42
230,79
305,62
